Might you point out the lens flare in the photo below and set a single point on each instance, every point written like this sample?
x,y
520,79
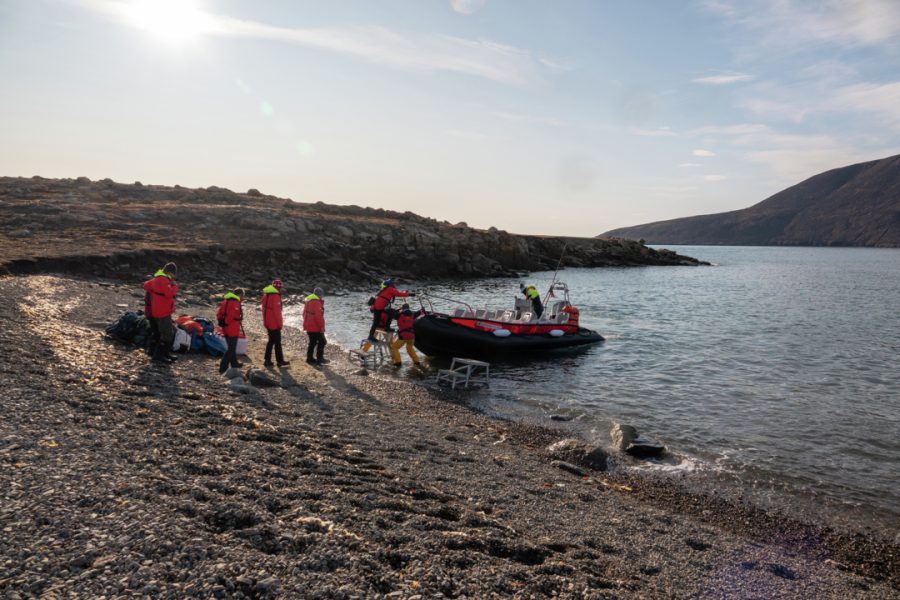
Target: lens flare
x,y
173,21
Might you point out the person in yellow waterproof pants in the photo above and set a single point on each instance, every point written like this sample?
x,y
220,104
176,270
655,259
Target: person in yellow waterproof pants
x,y
406,336
384,324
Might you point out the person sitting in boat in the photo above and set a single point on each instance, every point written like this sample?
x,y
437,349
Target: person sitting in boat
x,y
383,300
532,294
407,335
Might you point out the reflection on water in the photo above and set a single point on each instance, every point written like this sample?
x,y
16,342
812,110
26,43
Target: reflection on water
x,y
777,367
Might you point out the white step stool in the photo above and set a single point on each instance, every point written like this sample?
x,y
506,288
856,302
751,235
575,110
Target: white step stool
x,y
466,371
377,354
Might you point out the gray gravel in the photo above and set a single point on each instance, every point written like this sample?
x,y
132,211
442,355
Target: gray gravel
x,y
119,478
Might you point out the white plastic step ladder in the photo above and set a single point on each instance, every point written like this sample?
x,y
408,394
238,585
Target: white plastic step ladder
x,y
465,372
377,354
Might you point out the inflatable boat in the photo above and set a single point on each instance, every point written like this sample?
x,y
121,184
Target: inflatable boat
x,y
469,332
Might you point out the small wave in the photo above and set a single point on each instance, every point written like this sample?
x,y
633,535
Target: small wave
x,y
673,464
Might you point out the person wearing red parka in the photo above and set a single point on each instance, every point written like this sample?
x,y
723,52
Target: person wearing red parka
x,y
230,315
383,300
273,322
159,304
406,336
314,326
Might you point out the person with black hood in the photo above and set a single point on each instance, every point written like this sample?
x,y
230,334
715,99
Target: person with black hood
x,y
160,304
406,336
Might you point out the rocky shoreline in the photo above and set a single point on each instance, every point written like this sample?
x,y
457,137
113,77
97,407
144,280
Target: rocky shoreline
x,y
123,231
122,478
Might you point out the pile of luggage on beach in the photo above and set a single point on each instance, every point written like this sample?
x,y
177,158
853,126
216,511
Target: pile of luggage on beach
x,y
192,334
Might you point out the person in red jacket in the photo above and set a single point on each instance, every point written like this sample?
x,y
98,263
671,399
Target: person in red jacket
x,y
230,315
383,300
314,326
406,336
273,322
160,304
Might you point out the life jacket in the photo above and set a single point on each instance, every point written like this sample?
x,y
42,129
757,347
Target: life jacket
x,y
573,313
230,315
405,325
271,308
192,326
314,314
532,293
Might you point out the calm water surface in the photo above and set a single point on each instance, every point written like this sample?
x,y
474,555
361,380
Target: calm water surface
x,y
774,374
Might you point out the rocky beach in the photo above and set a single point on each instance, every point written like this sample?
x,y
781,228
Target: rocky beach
x,y
123,478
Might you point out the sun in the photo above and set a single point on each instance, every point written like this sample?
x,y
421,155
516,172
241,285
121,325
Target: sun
x,y
173,21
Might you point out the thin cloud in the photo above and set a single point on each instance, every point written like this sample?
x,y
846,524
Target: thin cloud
x,y
794,157
876,102
379,45
795,23
714,177
724,79
776,109
689,165
466,135
467,7
739,129
882,101
702,152
526,118
659,132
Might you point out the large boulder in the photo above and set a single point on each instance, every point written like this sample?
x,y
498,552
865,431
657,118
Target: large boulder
x,y
577,452
627,439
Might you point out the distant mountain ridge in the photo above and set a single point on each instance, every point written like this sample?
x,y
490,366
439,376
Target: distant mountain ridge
x,y
857,205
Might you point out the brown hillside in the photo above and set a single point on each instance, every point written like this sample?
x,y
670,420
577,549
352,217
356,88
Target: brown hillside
x,y
126,230
858,205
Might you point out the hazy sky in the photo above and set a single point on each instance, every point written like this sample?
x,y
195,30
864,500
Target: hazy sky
x,y
551,116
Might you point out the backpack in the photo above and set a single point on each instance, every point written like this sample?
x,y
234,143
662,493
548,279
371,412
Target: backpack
x,y
131,327
215,344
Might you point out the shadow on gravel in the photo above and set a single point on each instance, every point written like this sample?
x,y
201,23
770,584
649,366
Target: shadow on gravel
x,y
158,379
300,391
340,383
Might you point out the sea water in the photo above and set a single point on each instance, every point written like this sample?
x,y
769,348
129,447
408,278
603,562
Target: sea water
x,y
772,375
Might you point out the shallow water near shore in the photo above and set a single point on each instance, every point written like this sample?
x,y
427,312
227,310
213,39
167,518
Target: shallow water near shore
x,y
773,375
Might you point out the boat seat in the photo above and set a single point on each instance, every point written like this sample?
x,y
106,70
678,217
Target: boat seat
x,y
459,312
526,316
506,317
481,314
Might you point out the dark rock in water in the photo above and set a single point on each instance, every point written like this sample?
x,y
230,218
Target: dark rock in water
x,y
574,451
645,448
627,439
261,379
561,417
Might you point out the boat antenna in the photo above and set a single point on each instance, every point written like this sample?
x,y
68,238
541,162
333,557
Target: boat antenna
x,y
558,263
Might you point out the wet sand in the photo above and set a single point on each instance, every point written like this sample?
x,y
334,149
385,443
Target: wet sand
x,y
123,478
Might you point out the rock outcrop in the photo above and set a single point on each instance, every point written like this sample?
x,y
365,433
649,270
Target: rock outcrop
x,y
127,230
857,205
627,439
